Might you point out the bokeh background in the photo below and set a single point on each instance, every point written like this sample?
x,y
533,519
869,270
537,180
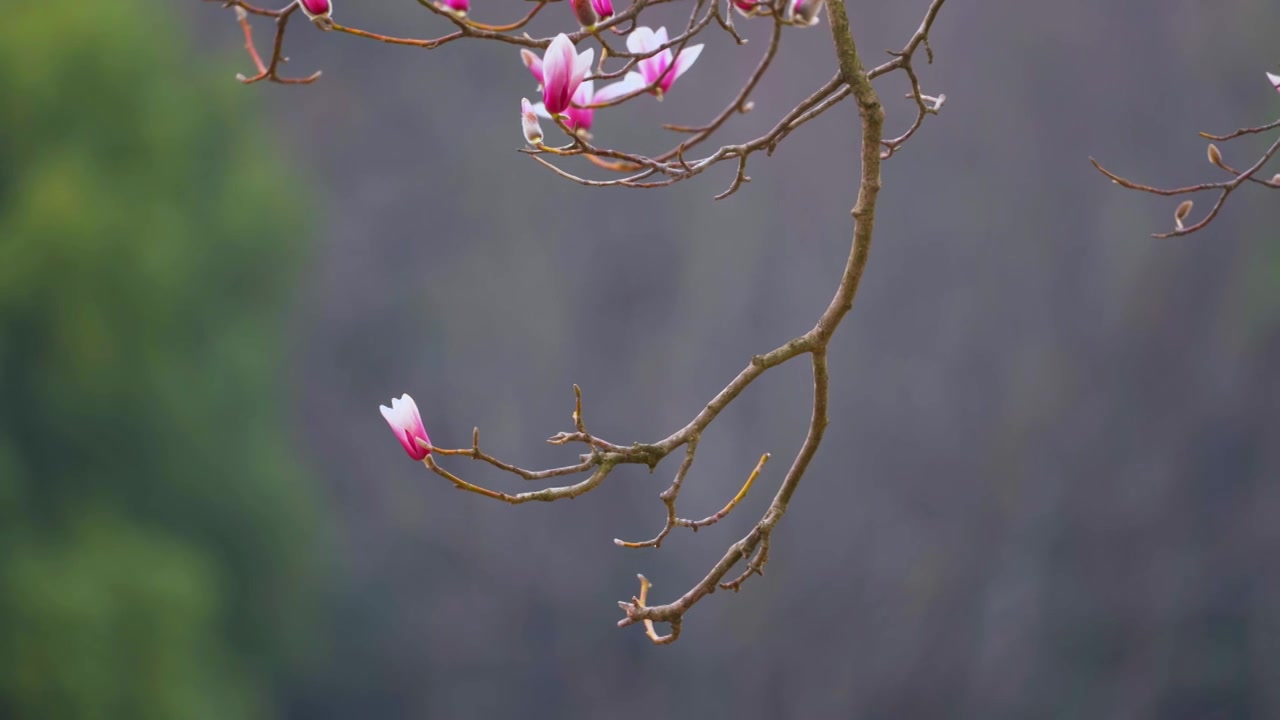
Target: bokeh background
x,y
1049,489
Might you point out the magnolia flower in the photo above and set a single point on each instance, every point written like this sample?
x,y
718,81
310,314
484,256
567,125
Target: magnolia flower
x,y
659,68
750,8
459,7
1275,80
406,423
529,123
315,8
580,115
590,12
804,12
562,70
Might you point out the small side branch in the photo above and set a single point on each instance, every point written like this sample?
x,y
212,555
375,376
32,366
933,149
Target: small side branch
x,y
551,494
1224,188
717,517
269,70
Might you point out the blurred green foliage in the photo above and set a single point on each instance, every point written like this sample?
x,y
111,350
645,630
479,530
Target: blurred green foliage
x,y
155,533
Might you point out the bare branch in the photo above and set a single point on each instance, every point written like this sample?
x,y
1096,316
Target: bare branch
x,y
717,517
1224,188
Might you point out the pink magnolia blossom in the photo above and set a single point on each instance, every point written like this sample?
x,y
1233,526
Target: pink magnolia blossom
x,y
660,68
804,12
580,115
750,8
563,69
406,423
316,8
458,6
1275,80
529,123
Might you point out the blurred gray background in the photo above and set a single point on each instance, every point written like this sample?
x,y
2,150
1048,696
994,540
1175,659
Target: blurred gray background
x,y
1049,486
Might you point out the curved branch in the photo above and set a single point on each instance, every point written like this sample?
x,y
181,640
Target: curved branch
x,y
815,342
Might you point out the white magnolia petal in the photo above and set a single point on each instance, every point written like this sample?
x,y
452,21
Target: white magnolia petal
x,y
641,40
686,59
629,84
582,64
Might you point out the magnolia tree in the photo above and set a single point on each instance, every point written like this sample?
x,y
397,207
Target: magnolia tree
x,y
636,62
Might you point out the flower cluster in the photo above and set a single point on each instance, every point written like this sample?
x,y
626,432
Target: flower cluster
x,y
566,94
569,93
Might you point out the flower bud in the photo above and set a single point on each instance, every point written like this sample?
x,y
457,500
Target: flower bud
x,y
1215,156
1275,80
406,423
458,7
316,8
585,11
1180,214
529,123
804,12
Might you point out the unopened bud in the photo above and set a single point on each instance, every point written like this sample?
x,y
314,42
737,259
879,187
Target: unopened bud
x,y
1180,214
804,12
1215,156
458,7
529,124
585,11
316,8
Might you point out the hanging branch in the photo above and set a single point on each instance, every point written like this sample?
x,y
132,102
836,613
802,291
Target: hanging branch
x,y
648,66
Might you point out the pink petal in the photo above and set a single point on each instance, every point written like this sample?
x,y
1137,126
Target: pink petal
x,y
579,118
533,62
